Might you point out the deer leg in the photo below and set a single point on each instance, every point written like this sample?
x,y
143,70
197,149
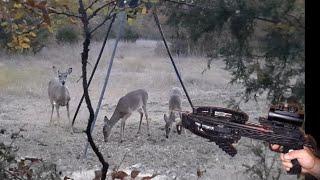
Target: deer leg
x,y
51,113
123,123
68,113
57,109
147,118
141,116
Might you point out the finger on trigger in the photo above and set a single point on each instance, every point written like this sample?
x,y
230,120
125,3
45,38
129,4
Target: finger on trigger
x,y
287,164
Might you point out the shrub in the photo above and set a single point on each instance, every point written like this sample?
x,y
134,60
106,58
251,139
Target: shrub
x,y
130,35
67,34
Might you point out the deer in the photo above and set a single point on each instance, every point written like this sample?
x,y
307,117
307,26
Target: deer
x,y
58,92
174,108
133,101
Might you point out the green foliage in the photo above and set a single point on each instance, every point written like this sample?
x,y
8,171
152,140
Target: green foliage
x,y
130,35
67,34
263,43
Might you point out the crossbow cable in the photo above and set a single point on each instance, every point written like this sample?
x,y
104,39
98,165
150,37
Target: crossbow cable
x,y
169,53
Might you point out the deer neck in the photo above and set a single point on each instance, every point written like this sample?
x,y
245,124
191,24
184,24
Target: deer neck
x,y
63,91
114,119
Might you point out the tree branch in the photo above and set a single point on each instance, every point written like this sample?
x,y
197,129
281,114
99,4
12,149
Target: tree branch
x,y
99,9
54,11
267,20
105,20
94,2
84,59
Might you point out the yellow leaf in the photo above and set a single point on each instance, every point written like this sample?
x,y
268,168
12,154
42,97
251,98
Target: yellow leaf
x,y
144,11
10,44
50,29
15,26
3,24
130,21
19,15
32,34
73,21
30,3
89,11
25,39
25,45
17,5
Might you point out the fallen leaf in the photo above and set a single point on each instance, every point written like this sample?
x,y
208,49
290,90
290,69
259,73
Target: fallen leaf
x,y
149,177
134,173
97,175
200,173
119,175
66,178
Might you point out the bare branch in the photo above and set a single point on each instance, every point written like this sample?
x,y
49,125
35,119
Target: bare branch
x,y
94,2
95,12
267,20
54,11
300,24
105,20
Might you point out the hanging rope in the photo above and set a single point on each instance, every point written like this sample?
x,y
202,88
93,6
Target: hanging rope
x,y
95,67
169,53
122,18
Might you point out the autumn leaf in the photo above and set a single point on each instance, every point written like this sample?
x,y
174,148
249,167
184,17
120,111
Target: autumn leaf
x,y
134,173
41,5
17,5
89,11
97,175
19,15
24,45
31,3
72,20
130,21
119,175
25,39
4,24
144,11
32,34
149,177
200,172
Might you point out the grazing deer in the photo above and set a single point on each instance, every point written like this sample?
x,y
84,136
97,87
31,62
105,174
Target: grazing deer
x,y
58,92
132,101
174,105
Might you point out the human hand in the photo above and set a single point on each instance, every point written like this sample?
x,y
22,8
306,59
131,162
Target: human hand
x,y
306,158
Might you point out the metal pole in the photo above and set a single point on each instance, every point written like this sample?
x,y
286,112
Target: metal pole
x,y
169,53
95,67
122,17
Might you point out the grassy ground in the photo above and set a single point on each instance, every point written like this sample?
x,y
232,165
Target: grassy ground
x,y
24,104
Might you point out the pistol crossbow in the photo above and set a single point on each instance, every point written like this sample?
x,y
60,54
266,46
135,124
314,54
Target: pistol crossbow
x,y
225,127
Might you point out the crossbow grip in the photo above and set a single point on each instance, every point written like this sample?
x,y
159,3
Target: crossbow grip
x,y
296,168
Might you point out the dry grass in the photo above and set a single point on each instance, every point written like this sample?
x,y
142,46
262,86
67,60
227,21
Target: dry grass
x,y
23,95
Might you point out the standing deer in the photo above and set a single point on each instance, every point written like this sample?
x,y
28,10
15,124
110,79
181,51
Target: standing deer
x,y
58,92
174,105
132,101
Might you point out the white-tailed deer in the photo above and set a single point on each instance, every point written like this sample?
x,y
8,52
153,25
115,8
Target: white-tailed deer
x,y
132,101
58,92
174,107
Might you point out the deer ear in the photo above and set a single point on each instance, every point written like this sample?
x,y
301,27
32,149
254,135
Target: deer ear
x,y
69,70
54,69
106,119
165,118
